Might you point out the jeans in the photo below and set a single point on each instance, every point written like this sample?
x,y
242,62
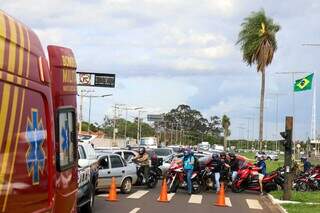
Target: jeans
x,y
189,182
145,170
217,180
234,175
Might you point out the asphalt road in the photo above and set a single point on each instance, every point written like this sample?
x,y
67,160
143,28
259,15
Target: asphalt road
x,y
143,200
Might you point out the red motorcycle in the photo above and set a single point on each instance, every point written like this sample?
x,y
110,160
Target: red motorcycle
x,y
176,178
308,181
248,179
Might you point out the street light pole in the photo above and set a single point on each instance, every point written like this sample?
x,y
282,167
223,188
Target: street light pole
x,y
276,95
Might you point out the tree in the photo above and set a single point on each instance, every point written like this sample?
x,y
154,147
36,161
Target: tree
x,y
257,40
192,124
226,132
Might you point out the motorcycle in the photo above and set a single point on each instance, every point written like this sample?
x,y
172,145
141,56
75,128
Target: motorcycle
x,y
308,181
247,179
176,178
151,181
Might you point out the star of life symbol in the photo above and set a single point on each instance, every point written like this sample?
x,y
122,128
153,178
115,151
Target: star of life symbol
x,y
65,136
35,156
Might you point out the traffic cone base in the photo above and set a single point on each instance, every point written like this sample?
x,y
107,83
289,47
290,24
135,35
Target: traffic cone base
x,y
164,192
112,196
221,198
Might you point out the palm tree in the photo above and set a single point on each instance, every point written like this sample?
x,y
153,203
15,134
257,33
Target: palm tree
x,y
226,132
257,40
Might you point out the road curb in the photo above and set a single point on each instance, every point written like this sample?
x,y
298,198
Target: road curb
x,y
274,202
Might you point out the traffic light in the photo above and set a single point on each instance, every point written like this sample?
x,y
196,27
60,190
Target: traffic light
x,y
287,135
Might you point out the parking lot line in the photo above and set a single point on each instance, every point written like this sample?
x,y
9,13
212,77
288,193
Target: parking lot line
x,y
138,194
135,210
195,199
228,201
253,204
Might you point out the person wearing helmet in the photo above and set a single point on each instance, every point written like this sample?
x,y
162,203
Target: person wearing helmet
x,y
188,165
143,160
216,170
234,166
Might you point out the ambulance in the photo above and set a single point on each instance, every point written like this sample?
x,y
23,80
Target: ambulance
x,y
38,141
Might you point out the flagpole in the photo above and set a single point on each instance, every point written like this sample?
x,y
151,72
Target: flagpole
x,y
293,109
314,113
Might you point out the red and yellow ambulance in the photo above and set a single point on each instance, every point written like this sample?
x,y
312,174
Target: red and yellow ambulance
x,y
38,146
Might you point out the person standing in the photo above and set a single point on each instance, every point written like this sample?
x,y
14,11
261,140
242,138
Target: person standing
x,y
188,166
216,170
306,164
234,166
263,171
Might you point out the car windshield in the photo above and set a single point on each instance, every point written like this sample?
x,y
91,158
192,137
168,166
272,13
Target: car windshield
x,y
163,152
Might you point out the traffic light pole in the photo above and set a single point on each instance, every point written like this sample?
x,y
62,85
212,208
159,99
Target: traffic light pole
x,y
287,142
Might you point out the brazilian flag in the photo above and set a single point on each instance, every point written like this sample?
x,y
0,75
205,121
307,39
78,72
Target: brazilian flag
x,y
303,83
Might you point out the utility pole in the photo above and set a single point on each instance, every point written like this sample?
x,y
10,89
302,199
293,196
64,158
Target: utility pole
x,y
293,103
287,143
116,106
138,127
85,94
125,126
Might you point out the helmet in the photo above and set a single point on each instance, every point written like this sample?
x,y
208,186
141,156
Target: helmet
x,y
142,150
215,156
223,155
187,152
232,156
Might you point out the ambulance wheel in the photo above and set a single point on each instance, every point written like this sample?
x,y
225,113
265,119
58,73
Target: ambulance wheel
x,y
88,207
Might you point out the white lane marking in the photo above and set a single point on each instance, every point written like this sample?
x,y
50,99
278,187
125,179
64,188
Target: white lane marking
x,y
102,195
170,195
254,204
228,201
138,194
135,210
195,199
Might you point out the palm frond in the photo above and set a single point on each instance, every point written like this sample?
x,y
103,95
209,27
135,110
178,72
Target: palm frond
x,y
258,46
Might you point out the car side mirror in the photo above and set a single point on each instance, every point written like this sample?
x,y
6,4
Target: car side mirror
x,y
82,163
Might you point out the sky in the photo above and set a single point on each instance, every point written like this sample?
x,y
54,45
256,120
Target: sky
x,y
170,52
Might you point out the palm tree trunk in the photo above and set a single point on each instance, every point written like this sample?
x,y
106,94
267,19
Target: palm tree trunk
x,y
263,81
225,140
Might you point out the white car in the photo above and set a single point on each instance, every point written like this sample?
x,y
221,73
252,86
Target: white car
x,y
86,138
127,155
113,165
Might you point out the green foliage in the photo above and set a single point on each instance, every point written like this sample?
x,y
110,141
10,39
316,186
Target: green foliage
x,y
131,131
190,122
299,208
312,197
257,39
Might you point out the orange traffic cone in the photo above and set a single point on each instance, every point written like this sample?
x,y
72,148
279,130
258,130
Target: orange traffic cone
x,y
113,191
164,194
221,199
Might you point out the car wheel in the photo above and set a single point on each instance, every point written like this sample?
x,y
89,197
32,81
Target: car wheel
x,y
88,207
268,158
126,186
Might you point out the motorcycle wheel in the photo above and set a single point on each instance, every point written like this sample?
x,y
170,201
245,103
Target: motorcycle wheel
x,y
235,189
152,181
172,186
196,186
302,187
